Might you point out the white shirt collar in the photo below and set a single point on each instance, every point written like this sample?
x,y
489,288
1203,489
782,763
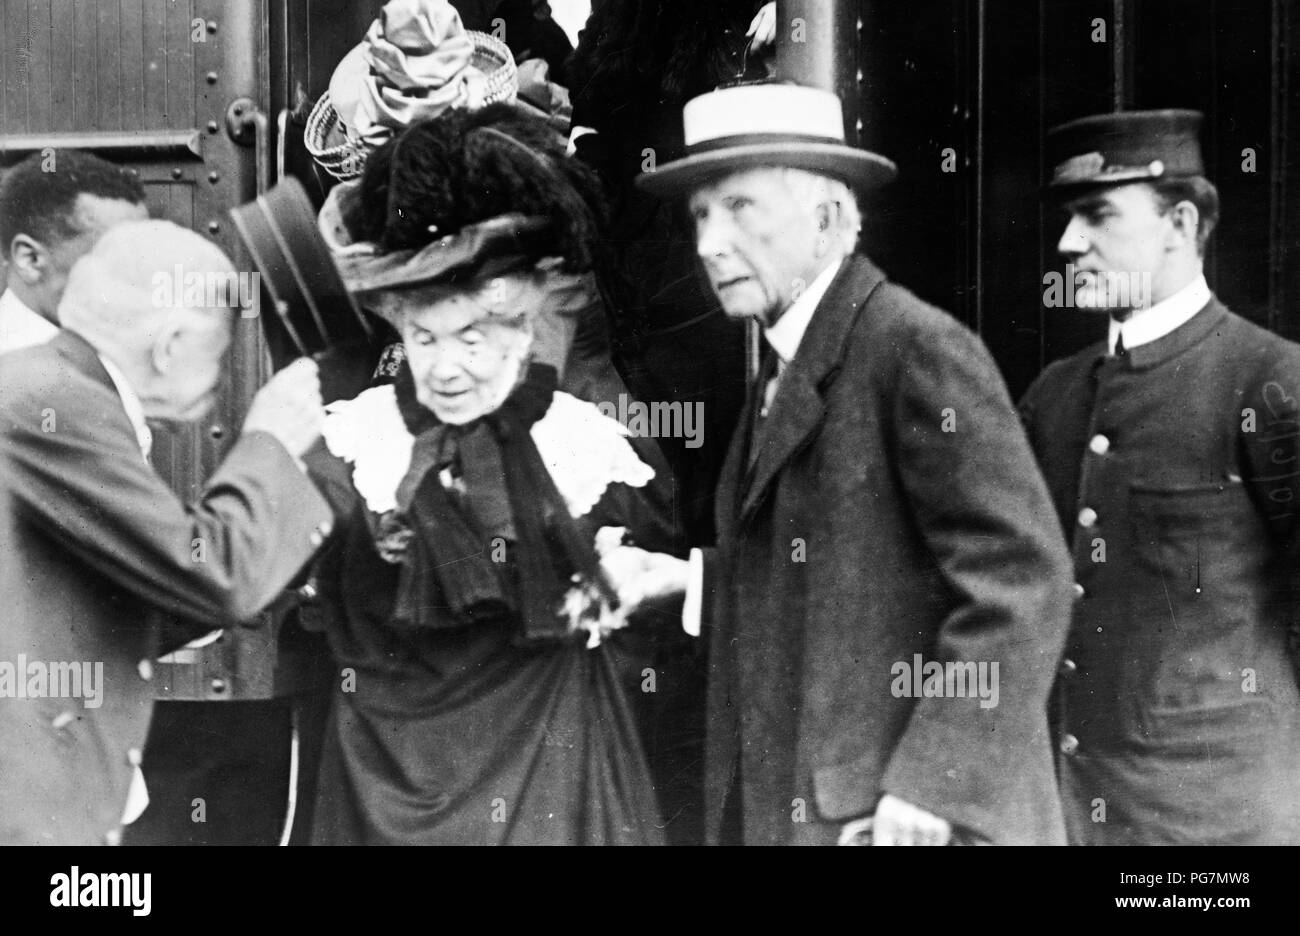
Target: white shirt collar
x,y
787,333
20,325
131,403
1162,318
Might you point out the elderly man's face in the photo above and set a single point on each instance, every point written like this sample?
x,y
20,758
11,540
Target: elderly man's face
x,y
465,356
758,242
1119,243
186,388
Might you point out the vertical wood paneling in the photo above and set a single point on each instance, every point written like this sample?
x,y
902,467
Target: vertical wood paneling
x,y
17,62
156,61
180,65
39,114
85,103
108,63
62,93
131,65
5,42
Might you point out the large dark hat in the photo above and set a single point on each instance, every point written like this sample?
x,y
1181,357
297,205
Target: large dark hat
x,y
748,126
1116,149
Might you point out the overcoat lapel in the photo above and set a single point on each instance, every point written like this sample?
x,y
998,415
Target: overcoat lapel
x,y
800,406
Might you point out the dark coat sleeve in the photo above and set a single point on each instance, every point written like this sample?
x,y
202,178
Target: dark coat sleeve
x,y
1270,449
985,514
221,559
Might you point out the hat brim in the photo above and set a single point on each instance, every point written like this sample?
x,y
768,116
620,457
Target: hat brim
x,y
860,169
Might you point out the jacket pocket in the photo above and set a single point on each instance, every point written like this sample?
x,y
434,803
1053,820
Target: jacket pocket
x,y
1199,598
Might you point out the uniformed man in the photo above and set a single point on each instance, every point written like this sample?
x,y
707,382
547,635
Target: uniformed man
x,y
1170,449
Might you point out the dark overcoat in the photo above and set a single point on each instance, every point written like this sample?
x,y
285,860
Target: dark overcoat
x,y
1175,470
892,515
97,553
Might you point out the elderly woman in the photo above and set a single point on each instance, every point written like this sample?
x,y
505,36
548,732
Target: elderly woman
x,y
470,615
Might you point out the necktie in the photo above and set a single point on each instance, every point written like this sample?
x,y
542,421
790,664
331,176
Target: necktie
x,y
1120,350
759,390
769,389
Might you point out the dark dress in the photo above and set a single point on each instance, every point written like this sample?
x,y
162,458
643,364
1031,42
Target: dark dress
x,y
467,734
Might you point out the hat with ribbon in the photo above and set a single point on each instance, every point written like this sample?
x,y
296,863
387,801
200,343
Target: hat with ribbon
x,y
765,124
477,250
1117,149
416,61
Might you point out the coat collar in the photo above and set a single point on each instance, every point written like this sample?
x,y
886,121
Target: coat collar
x,y
800,405
79,352
1181,339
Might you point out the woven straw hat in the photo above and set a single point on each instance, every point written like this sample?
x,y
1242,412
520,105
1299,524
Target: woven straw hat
x,y
416,62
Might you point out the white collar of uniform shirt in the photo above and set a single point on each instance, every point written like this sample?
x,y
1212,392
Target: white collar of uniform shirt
x,y
1146,326
131,403
21,326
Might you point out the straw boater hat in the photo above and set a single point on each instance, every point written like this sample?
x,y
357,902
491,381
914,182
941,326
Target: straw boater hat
x,y
748,126
416,61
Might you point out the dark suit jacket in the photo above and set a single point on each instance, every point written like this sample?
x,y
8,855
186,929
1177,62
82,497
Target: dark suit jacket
x,y
1180,715
865,534
98,546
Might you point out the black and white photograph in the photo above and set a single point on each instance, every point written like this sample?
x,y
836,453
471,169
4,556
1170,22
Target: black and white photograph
x,y
651,422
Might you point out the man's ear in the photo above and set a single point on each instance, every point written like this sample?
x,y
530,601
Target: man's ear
x,y
1186,220
825,216
166,344
29,258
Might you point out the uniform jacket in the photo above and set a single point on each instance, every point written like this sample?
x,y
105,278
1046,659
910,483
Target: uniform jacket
x,y
1175,470
892,510
97,549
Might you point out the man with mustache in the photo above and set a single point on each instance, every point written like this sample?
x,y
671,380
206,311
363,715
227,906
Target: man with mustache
x,y
1170,449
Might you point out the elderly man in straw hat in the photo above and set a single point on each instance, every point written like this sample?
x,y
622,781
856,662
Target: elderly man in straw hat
x,y
890,591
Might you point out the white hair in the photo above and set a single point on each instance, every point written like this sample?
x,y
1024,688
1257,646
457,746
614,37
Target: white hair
x,y
813,189
114,294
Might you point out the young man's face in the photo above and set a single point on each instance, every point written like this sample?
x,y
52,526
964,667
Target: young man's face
x,y
1119,243
91,216
757,241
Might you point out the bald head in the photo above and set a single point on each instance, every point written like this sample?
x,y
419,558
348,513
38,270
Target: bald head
x,y
114,286
132,298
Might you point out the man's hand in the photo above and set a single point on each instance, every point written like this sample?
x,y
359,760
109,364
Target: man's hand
x,y
900,823
640,576
289,407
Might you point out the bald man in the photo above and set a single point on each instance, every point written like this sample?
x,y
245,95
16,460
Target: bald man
x,y
101,546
